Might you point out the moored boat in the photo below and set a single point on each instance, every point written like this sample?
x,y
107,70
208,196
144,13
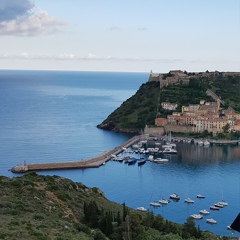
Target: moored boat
x,y
204,212
214,208
188,200
223,203
218,205
160,160
141,161
196,216
142,209
200,196
155,204
169,150
164,201
211,220
132,161
174,196
150,157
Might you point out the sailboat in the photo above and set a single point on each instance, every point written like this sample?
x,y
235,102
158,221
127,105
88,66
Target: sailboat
x,y
223,203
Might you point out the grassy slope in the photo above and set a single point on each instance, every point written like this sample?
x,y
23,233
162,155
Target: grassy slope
x,y
43,207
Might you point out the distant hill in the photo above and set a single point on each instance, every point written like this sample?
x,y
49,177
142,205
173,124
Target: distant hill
x,y
142,108
55,208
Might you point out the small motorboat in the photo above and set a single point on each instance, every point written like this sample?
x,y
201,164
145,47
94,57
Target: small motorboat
x,y
211,220
188,200
223,203
218,205
200,196
141,161
169,150
164,201
174,196
160,160
132,161
214,208
196,216
204,212
155,204
142,209
150,157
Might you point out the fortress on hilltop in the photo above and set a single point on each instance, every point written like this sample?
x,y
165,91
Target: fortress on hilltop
x,y
183,77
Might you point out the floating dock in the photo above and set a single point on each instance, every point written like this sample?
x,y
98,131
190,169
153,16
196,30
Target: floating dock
x,y
94,162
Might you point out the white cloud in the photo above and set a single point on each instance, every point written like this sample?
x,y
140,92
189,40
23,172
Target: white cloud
x,y
24,20
24,55
67,56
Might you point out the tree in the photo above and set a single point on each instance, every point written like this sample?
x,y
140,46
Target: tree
x,y
226,128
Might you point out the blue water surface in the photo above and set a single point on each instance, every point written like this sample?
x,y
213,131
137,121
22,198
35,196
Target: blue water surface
x,y
49,116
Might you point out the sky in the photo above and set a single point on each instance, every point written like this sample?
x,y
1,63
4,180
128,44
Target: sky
x,y
121,36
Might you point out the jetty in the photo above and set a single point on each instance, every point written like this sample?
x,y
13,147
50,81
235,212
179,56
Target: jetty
x,y
94,162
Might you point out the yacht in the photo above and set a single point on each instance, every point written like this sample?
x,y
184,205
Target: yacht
x,y
214,208
160,160
223,203
151,158
196,216
142,209
200,196
164,201
204,212
174,196
155,204
189,200
169,150
211,220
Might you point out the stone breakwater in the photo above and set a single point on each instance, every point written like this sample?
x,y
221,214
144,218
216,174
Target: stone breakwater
x,y
89,163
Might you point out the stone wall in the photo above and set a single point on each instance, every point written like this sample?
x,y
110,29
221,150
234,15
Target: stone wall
x,y
154,131
178,128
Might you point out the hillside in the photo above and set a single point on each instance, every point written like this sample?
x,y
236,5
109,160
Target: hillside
x,y
142,108
51,207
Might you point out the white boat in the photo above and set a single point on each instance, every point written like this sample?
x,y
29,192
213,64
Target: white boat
x,y
206,143
150,157
164,201
169,150
119,159
218,205
189,200
223,203
174,196
204,212
160,160
155,204
211,220
196,216
200,196
142,209
169,145
137,145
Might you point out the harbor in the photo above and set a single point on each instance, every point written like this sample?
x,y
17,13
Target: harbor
x,y
94,162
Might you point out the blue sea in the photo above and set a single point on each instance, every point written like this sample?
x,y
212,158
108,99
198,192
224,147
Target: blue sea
x,y
51,116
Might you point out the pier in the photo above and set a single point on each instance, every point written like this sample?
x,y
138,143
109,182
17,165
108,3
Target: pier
x,y
94,162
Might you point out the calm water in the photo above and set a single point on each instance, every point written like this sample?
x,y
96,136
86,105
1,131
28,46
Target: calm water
x,y
52,116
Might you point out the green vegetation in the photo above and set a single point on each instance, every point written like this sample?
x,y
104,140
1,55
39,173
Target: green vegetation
x,y
137,111
142,108
50,207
